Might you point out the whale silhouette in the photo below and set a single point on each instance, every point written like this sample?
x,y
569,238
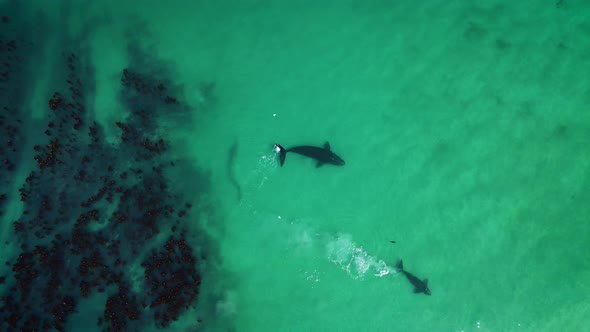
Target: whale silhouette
x,y
323,155
420,286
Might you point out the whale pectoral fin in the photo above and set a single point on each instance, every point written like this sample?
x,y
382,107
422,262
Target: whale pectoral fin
x,y
319,164
425,282
417,290
327,146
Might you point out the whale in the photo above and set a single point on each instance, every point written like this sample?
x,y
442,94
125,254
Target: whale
x,y
322,155
420,286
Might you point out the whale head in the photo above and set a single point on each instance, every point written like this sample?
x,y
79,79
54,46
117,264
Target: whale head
x,y
337,160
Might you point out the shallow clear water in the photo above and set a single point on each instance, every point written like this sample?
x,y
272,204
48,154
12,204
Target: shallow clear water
x,y
464,128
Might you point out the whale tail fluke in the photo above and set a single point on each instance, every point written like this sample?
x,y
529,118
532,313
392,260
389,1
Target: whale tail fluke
x,y
282,153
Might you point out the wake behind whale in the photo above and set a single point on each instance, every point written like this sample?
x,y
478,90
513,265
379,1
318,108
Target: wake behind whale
x,y
354,259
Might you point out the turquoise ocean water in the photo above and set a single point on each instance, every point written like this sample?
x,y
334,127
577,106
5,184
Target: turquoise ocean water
x,y
464,126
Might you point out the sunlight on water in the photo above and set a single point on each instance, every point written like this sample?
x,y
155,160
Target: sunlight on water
x,y
353,259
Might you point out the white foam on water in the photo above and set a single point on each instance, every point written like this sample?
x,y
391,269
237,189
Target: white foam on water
x,y
353,259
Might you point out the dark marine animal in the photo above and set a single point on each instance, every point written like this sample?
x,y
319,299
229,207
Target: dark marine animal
x,y
420,286
323,155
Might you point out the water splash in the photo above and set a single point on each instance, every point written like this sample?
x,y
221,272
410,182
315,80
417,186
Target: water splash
x,y
353,259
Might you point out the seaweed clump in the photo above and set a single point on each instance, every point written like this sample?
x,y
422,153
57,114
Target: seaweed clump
x,y
91,209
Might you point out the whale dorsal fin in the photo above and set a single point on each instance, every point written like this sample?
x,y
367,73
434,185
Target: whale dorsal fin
x,y
327,146
319,164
